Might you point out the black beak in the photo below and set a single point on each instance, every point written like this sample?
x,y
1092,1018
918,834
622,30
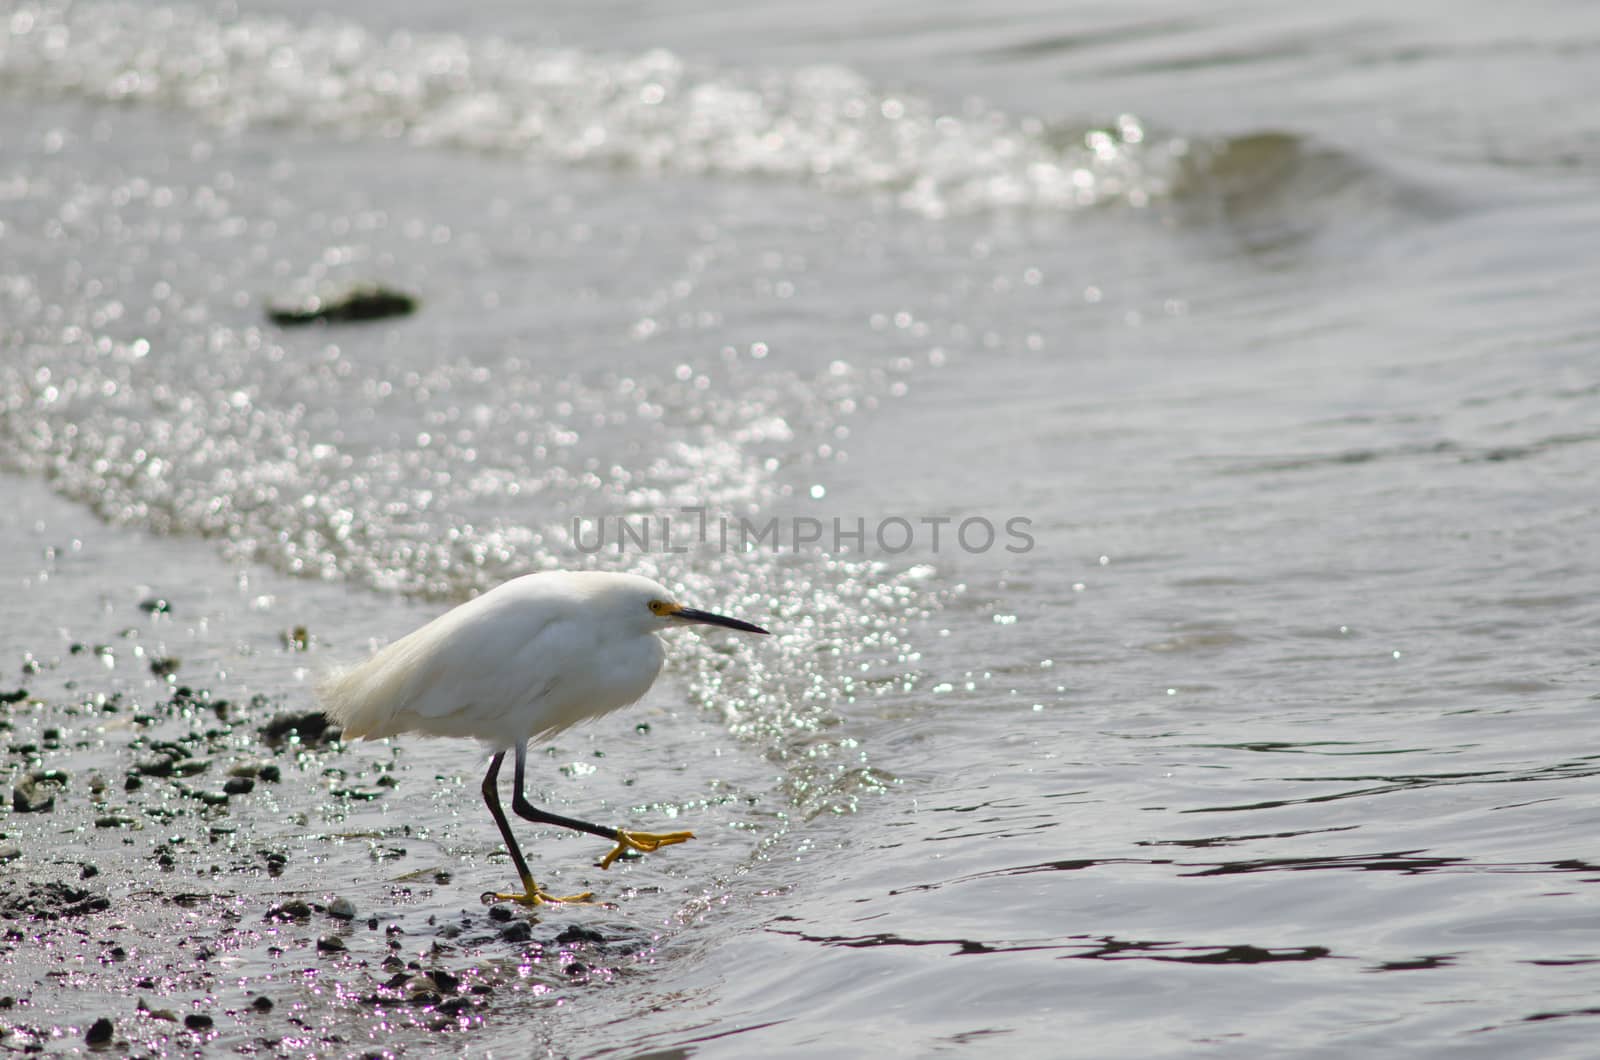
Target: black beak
x,y
689,614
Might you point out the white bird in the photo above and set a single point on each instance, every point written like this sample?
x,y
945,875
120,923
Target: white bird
x,y
527,659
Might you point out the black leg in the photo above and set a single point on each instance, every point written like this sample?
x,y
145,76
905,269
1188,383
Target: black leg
x,y
529,812
491,795
642,842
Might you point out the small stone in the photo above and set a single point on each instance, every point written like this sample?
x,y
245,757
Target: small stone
x,y
578,933
14,697
189,767
576,968
239,786
197,1021
262,1004
9,852
499,913
165,667
310,729
517,931
29,796
342,909
455,1006
88,872
331,944
270,773
294,909
132,783
155,605
357,302
100,1032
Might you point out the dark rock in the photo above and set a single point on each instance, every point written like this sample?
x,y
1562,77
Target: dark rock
x,y
342,909
355,303
270,773
331,944
14,697
517,931
155,605
262,1004
578,933
114,820
310,729
294,909
239,786
35,792
88,872
500,913
576,968
356,794
444,982
50,901
197,1021
100,1032
165,666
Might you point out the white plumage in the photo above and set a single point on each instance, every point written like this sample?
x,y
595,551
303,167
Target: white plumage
x,y
527,659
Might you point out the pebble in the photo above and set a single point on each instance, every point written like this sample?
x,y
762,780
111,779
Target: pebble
x,y
294,909
331,944
262,1004
239,786
9,852
197,1021
100,1032
27,796
342,909
517,931
578,933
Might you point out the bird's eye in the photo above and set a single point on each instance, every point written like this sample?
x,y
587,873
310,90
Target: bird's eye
x,y
658,607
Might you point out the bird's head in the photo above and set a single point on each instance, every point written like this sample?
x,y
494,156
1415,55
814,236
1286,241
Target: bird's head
x,y
651,605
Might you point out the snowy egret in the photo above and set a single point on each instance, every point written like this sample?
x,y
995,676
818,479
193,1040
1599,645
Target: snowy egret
x,y
527,659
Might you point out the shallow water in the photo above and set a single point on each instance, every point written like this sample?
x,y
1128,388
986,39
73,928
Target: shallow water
x,y
1272,326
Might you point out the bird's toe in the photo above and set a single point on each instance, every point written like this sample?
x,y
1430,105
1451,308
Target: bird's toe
x,y
643,842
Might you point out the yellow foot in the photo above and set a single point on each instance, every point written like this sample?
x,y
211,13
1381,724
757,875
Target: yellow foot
x,y
533,895
643,842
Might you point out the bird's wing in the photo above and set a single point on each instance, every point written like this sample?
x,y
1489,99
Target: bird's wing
x,y
493,674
